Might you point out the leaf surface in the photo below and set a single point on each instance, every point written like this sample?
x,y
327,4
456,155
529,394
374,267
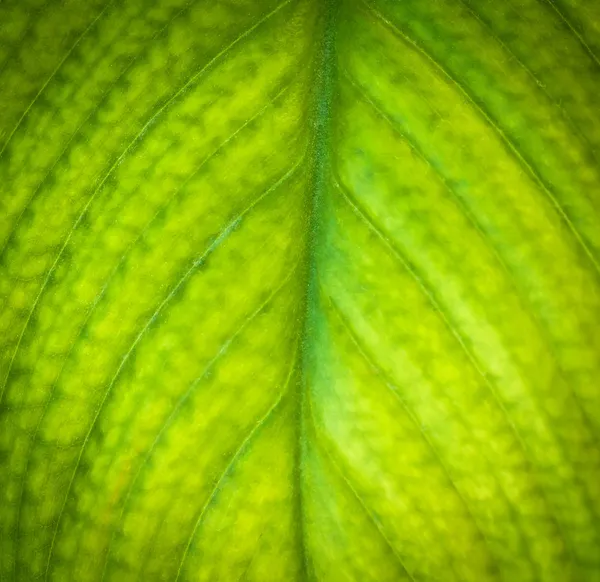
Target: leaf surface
x,y
300,290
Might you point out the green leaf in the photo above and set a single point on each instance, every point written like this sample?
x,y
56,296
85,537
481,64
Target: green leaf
x,y
301,290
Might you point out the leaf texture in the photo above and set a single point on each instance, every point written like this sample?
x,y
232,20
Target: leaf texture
x,y
300,290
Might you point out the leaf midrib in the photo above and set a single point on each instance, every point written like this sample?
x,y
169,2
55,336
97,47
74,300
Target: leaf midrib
x,y
323,93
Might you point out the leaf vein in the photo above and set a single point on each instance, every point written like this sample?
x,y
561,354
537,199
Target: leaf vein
x,y
77,131
458,338
390,385
539,85
224,234
527,167
184,398
139,135
104,289
255,430
573,30
484,236
53,74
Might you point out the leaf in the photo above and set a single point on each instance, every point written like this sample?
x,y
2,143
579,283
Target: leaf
x,y
300,290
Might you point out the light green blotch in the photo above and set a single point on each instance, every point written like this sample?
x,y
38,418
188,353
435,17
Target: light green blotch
x,y
342,540
369,427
